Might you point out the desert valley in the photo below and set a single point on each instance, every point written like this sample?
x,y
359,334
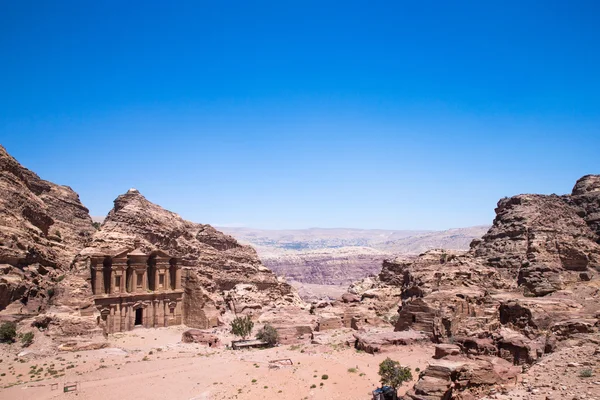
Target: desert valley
x,y
142,304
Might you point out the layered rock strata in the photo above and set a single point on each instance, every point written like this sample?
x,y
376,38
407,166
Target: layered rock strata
x,y
218,273
42,227
527,288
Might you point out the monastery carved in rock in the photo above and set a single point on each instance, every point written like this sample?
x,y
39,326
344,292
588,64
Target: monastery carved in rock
x,y
132,288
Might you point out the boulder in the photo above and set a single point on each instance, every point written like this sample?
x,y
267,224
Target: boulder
x,y
444,350
377,342
201,337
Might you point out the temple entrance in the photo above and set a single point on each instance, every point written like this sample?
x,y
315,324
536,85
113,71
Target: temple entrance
x,y
138,316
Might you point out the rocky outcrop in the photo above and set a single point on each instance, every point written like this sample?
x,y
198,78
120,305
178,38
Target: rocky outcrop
x,y
42,227
218,272
201,337
458,377
541,241
528,287
378,342
586,199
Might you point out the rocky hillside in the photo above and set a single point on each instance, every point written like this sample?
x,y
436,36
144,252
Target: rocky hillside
x,y
218,271
342,256
47,235
529,287
42,227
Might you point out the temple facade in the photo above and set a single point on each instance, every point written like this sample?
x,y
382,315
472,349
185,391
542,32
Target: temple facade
x,y
132,288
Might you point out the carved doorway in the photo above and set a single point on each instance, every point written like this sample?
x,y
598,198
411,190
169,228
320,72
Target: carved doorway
x,y
139,316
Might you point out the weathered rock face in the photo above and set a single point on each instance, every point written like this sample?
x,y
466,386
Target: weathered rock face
x,y
214,264
42,227
458,377
527,288
586,199
372,343
537,245
541,241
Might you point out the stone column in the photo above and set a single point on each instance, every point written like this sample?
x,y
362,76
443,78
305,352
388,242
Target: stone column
x,y
167,279
131,316
123,317
129,279
111,320
177,277
166,311
98,279
145,280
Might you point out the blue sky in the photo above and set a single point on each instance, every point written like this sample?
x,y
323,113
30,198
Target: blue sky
x,y
390,114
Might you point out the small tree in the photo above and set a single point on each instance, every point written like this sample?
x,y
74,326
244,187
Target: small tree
x,y
393,374
8,332
242,326
268,334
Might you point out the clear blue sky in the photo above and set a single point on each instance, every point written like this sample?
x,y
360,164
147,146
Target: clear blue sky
x,y
281,114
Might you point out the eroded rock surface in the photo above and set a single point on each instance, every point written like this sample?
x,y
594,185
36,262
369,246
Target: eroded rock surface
x,y
42,227
218,272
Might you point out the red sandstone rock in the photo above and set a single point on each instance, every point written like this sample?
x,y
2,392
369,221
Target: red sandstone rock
x,y
201,337
377,342
444,350
42,227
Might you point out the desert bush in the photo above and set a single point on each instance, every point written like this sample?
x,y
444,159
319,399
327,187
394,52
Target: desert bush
x,y
8,332
242,326
268,334
586,373
325,377
393,374
27,339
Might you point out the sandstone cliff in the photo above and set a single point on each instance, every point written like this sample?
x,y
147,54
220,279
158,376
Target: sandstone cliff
x,y
526,288
218,272
42,227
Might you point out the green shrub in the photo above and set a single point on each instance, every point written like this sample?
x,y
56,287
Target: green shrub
x,y
50,292
27,339
325,377
586,373
268,334
242,326
393,374
313,386
352,370
8,332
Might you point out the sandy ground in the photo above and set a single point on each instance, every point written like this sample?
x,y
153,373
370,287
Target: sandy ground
x,y
154,364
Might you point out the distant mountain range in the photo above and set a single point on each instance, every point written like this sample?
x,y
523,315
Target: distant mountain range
x,y
340,256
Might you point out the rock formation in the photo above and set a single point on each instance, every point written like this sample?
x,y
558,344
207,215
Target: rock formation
x,y
47,238
528,287
218,272
42,227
